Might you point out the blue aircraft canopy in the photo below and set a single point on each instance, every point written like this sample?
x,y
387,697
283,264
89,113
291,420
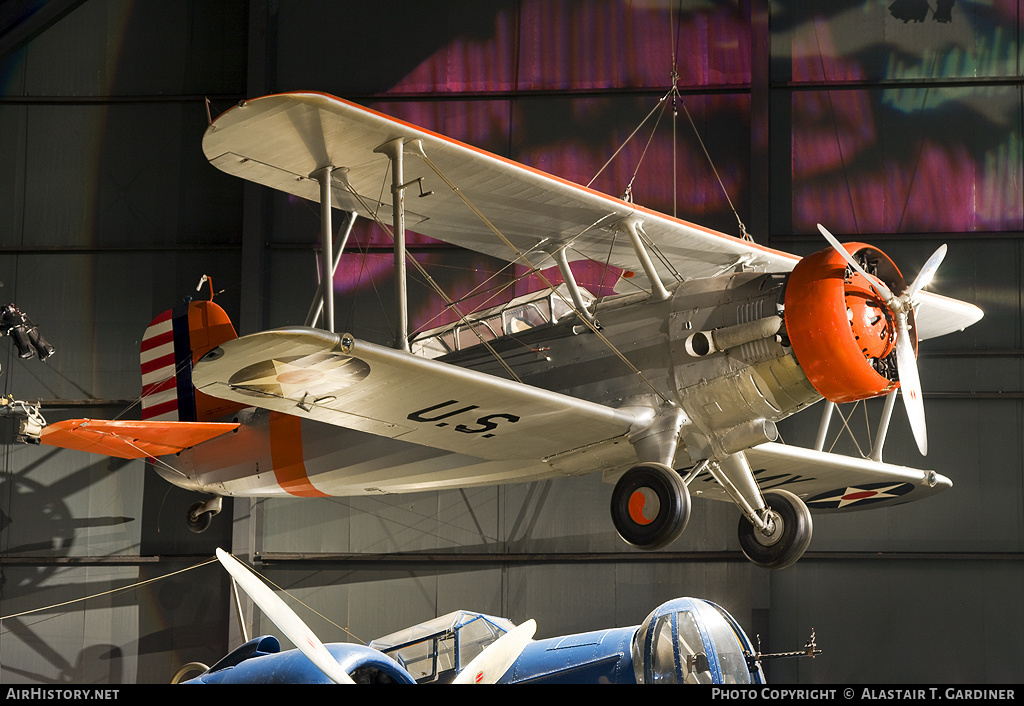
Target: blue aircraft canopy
x,y
692,641
434,650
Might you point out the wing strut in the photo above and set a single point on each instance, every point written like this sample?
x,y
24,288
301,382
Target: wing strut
x,y
317,307
883,426
826,418
323,177
658,291
394,150
570,281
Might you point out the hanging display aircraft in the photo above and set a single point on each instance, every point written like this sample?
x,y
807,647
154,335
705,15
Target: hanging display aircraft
x,y
683,641
668,392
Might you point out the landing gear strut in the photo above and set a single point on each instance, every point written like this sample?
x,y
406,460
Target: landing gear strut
x,y
787,533
200,514
650,506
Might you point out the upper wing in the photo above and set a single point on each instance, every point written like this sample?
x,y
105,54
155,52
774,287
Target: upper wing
x,y
331,378
830,481
281,140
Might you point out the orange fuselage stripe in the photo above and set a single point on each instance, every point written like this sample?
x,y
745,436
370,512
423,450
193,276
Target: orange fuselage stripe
x,y
286,455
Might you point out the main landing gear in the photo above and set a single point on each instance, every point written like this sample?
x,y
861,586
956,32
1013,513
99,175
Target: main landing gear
x,y
786,535
650,507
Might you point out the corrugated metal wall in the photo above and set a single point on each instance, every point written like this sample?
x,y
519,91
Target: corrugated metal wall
x,y
907,132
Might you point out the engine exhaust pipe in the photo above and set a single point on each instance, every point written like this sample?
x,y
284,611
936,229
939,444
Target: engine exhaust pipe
x,y
704,343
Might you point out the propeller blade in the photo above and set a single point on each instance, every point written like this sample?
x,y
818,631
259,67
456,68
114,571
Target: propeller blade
x,y
488,666
927,272
285,619
876,284
910,383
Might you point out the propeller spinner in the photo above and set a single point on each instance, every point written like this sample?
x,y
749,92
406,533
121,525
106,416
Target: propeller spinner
x,y
901,307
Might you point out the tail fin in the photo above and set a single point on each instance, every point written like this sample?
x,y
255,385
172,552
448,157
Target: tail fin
x,y
172,343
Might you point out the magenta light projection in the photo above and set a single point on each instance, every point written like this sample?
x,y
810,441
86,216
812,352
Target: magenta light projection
x,y
560,86
905,117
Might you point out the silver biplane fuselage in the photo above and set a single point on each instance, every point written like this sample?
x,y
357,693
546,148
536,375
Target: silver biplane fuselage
x,y
717,394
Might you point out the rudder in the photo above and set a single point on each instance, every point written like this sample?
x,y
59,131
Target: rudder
x,y
171,345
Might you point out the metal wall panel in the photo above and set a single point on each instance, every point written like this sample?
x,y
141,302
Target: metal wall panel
x,y
903,621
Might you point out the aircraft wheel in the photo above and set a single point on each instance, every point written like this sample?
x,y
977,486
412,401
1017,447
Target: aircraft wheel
x,y
650,506
197,521
790,535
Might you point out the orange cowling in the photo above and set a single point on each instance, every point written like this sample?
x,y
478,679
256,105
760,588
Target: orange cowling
x,y
842,333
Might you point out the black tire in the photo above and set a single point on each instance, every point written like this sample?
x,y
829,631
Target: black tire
x,y
651,487
198,522
789,541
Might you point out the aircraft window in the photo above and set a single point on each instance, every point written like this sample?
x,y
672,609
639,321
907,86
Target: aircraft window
x,y
559,307
523,318
663,648
729,649
446,655
418,659
520,314
435,346
693,658
474,637
677,651
428,659
472,335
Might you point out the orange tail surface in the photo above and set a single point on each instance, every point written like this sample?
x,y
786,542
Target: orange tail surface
x,y
173,342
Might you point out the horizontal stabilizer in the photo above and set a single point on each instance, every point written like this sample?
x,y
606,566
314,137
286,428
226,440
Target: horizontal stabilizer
x,y
131,439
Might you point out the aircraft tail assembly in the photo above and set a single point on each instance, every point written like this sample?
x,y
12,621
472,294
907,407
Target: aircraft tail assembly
x,y
170,346
175,416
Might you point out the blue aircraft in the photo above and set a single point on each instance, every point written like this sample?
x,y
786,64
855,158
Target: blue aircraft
x,y
686,640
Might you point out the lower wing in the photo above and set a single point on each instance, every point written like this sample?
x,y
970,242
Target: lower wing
x,y
829,481
338,380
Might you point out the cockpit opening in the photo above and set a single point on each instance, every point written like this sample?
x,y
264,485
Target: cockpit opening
x,y
519,315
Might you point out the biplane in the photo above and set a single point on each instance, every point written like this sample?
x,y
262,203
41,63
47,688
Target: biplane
x,y
669,391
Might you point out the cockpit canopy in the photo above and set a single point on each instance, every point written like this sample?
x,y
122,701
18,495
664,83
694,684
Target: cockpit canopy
x,y
692,641
437,649
517,316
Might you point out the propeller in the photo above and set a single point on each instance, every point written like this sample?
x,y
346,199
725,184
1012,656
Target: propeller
x,y
901,306
488,666
285,619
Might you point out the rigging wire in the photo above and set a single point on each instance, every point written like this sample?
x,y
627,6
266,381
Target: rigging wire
x,y
107,593
522,256
673,97
433,284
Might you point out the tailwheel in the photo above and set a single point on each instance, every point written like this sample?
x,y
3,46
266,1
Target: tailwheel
x,y
788,534
200,514
650,506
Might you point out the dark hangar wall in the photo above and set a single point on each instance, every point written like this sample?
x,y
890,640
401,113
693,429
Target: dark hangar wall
x,y
898,123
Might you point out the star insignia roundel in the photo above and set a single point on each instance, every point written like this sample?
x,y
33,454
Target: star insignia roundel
x,y
295,377
866,494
